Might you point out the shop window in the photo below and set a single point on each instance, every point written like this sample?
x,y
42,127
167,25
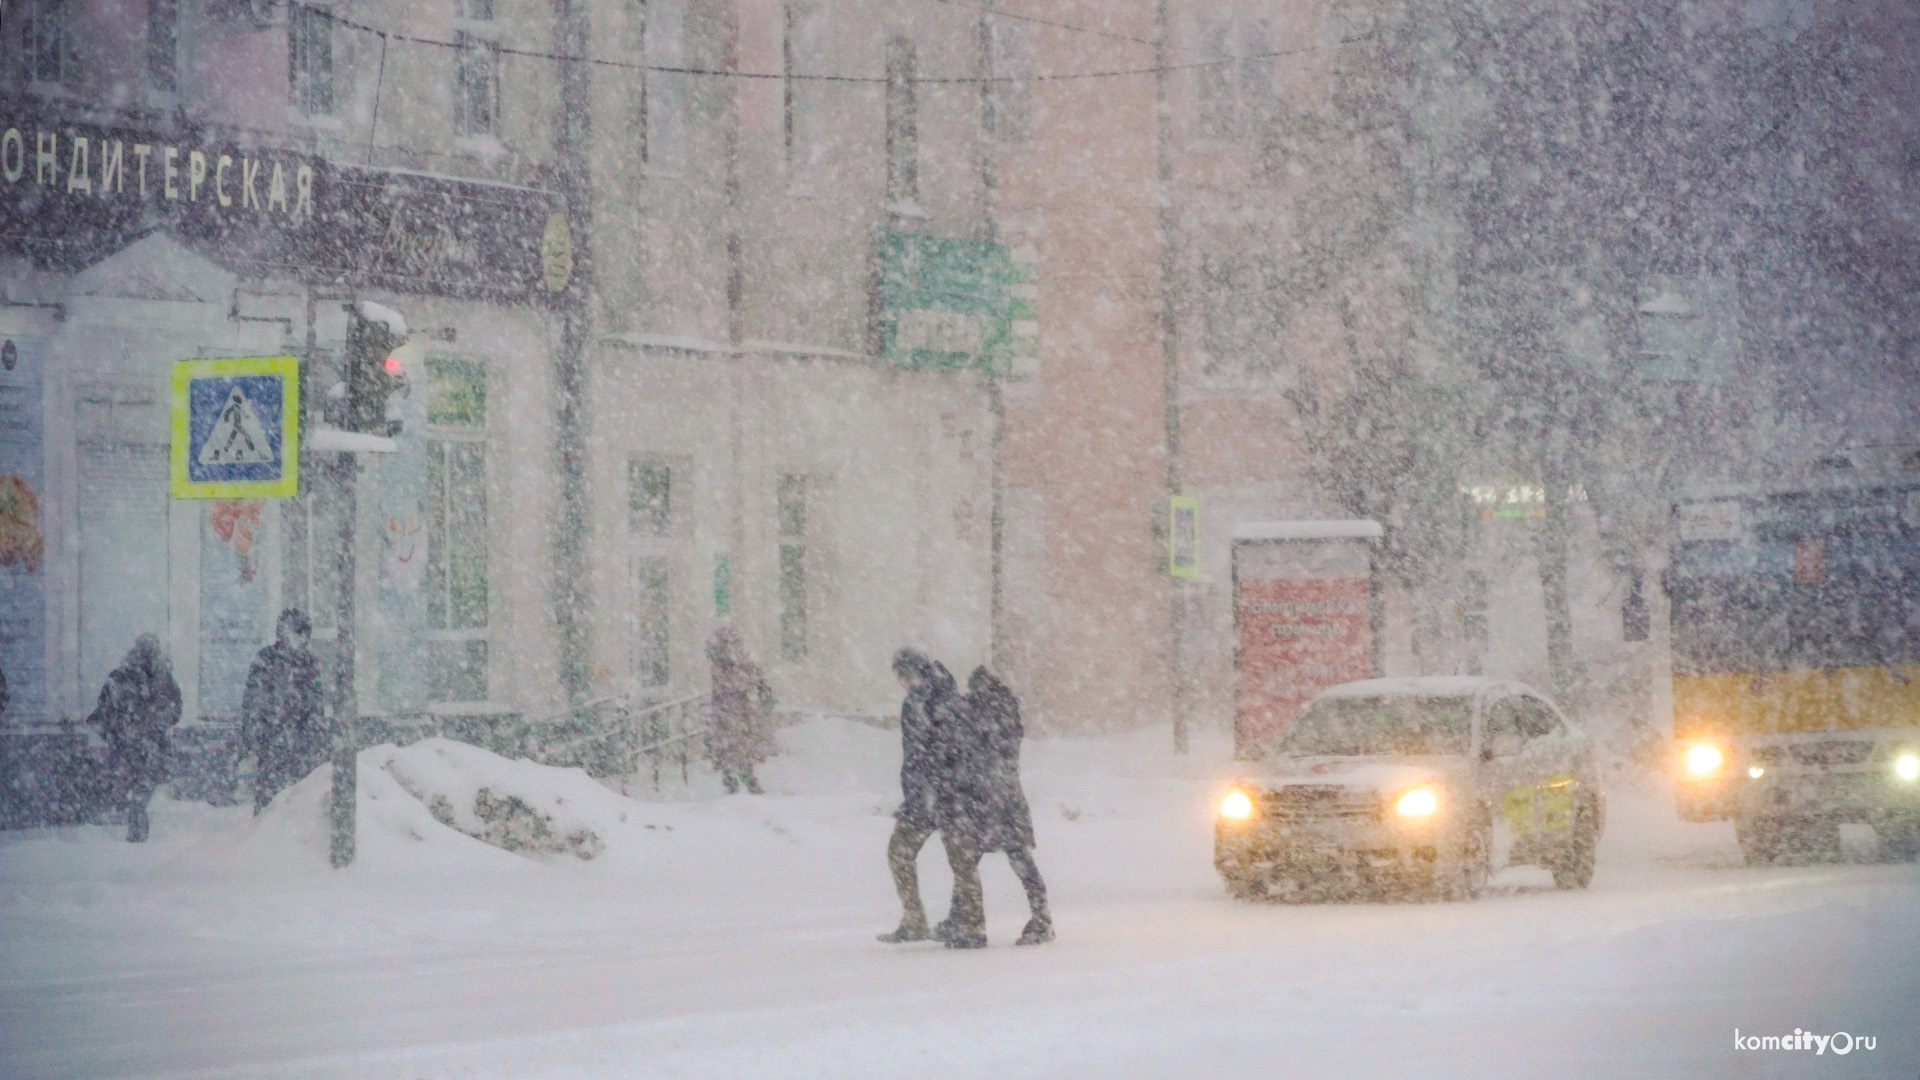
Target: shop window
x,y
476,94
46,40
310,61
791,512
650,496
652,621
457,531
163,45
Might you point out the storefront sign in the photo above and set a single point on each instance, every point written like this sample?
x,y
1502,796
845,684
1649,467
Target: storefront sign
x,y
72,194
236,428
945,303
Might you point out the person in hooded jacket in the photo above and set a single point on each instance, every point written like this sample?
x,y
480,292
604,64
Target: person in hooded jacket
x,y
139,704
932,703
981,808
282,722
742,734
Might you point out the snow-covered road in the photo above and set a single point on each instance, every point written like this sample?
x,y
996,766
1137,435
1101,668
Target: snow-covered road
x,y
734,938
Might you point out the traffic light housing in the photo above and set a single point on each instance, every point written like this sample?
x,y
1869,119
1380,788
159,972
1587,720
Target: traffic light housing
x,y
374,373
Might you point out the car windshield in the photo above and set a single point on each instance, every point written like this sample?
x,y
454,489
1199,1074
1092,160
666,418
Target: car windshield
x,y
1353,727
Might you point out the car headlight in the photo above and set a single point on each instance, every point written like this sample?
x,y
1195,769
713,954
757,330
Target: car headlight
x,y
1703,760
1755,772
1419,803
1237,806
1907,767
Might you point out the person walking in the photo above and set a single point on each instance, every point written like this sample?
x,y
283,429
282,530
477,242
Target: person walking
x,y
995,713
742,734
932,702
139,704
282,722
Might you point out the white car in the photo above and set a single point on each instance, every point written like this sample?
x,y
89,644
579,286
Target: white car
x,y
1426,784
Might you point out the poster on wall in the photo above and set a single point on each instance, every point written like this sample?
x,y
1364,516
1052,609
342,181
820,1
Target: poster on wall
x,y
234,620
23,651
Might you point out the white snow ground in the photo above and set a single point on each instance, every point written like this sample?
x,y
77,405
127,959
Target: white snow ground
x,y
733,937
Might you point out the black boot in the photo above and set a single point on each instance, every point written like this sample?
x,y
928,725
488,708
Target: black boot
x,y
965,939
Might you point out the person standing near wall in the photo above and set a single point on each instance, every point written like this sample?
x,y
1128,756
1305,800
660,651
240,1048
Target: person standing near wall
x,y
139,705
282,723
742,735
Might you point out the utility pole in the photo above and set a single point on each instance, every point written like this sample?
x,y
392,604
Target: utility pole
x,y
373,374
1170,355
571,589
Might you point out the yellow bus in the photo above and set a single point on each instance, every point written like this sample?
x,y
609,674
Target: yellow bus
x,y
1795,626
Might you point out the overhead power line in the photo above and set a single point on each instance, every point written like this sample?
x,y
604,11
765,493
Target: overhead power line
x,y
670,69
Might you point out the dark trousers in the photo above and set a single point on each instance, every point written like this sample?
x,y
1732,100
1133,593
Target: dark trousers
x,y
908,838
139,793
737,776
969,909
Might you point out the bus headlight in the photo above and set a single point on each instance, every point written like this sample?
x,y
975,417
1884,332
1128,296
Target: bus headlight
x,y
1703,760
1419,803
1237,806
1907,767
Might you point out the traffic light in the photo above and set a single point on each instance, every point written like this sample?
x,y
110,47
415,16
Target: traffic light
x,y
374,373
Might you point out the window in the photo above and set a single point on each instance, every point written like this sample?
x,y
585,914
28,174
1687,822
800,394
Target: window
x,y
1233,97
1011,45
791,515
476,98
810,104
1240,320
477,10
456,526
650,520
663,24
310,61
46,41
903,123
1636,622
1502,735
634,42
163,45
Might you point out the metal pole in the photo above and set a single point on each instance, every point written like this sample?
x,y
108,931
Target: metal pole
x,y
345,759
1170,357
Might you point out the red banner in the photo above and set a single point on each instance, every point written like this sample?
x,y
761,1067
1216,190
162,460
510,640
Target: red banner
x,y
1298,636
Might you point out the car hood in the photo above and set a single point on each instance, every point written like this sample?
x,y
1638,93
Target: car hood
x,y
1384,775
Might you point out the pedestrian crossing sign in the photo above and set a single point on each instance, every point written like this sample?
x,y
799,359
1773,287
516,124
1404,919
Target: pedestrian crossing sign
x,y
236,428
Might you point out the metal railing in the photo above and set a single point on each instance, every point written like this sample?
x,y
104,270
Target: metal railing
x,y
612,738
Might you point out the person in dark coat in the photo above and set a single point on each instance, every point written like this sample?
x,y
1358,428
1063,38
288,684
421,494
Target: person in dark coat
x,y
139,704
999,818
932,702
981,809
742,734
282,722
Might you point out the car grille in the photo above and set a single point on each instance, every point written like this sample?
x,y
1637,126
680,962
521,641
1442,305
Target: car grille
x,y
1832,752
1299,803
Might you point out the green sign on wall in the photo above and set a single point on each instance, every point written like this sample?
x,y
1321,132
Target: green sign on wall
x,y
945,303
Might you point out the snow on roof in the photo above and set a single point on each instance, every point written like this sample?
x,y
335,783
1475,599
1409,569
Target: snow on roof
x,y
1357,529
1423,686
381,313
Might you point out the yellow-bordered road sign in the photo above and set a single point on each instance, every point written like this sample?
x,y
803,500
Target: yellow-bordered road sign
x,y
1183,536
236,428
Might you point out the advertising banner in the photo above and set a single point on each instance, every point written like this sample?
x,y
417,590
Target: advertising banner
x,y
1304,612
23,600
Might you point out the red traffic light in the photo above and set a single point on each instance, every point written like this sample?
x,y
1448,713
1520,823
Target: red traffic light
x,y
392,364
